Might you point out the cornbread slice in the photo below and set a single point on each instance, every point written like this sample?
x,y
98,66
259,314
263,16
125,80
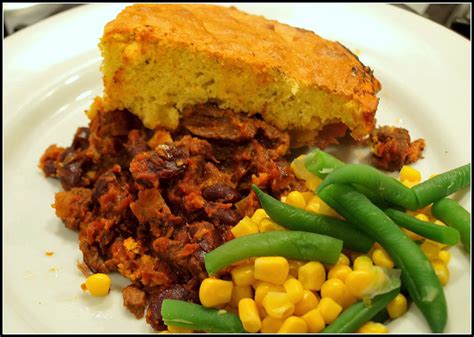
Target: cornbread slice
x,y
159,59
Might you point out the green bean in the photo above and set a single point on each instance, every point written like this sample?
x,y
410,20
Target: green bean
x,y
418,275
386,188
298,219
442,185
357,314
446,235
321,163
454,215
290,244
196,317
381,317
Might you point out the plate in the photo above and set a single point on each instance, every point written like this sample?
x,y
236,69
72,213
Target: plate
x,y
51,74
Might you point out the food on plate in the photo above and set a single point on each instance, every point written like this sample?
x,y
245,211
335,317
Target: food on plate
x,y
160,59
392,148
175,182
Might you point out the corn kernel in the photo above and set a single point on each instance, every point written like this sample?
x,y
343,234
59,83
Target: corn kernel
x,y
308,302
441,271
273,269
98,284
294,266
439,223
329,309
408,183
431,249
261,311
240,292
178,329
293,324
243,275
339,271
245,227
314,320
312,183
248,314
411,235
410,174
294,289
343,259
259,215
445,256
268,225
312,275
278,305
271,324
214,292
397,307
382,259
263,288
299,169
360,282
422,217
313,204
372,327
295,198
335,289
307,196
363,262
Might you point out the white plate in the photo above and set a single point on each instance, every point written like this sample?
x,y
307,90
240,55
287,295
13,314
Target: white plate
x,y
51,74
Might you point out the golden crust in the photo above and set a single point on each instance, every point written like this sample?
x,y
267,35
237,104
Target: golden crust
x,y
233,38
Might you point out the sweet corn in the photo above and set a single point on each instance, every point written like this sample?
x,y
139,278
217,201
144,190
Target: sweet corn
x,y
248,314
309,302
411,235
263,288
431,249
243,275
314,320
312,183
397,307
372,327
441,271
240,292
273,269
268,225
339,271
295,198
312,275
439,223
294,266
410,174
245,227
408,183
261,311
307,196
214,292
293,324
294,289
98,284
382,259
343,259
360,282
335,289
329,309
178,329
422,217
316,205
363,262
299,169
278,305
271,324
259,215
445,256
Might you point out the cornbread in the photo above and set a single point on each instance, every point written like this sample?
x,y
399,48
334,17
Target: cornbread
x,y
159,59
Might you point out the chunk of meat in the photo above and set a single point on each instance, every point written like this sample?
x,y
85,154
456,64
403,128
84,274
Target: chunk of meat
x,y
175,292
165,162
73,206
134,299
150,206
392,148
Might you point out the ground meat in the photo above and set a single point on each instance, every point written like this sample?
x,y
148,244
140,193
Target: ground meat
x,y
134,299
176,292
392,148
150,203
